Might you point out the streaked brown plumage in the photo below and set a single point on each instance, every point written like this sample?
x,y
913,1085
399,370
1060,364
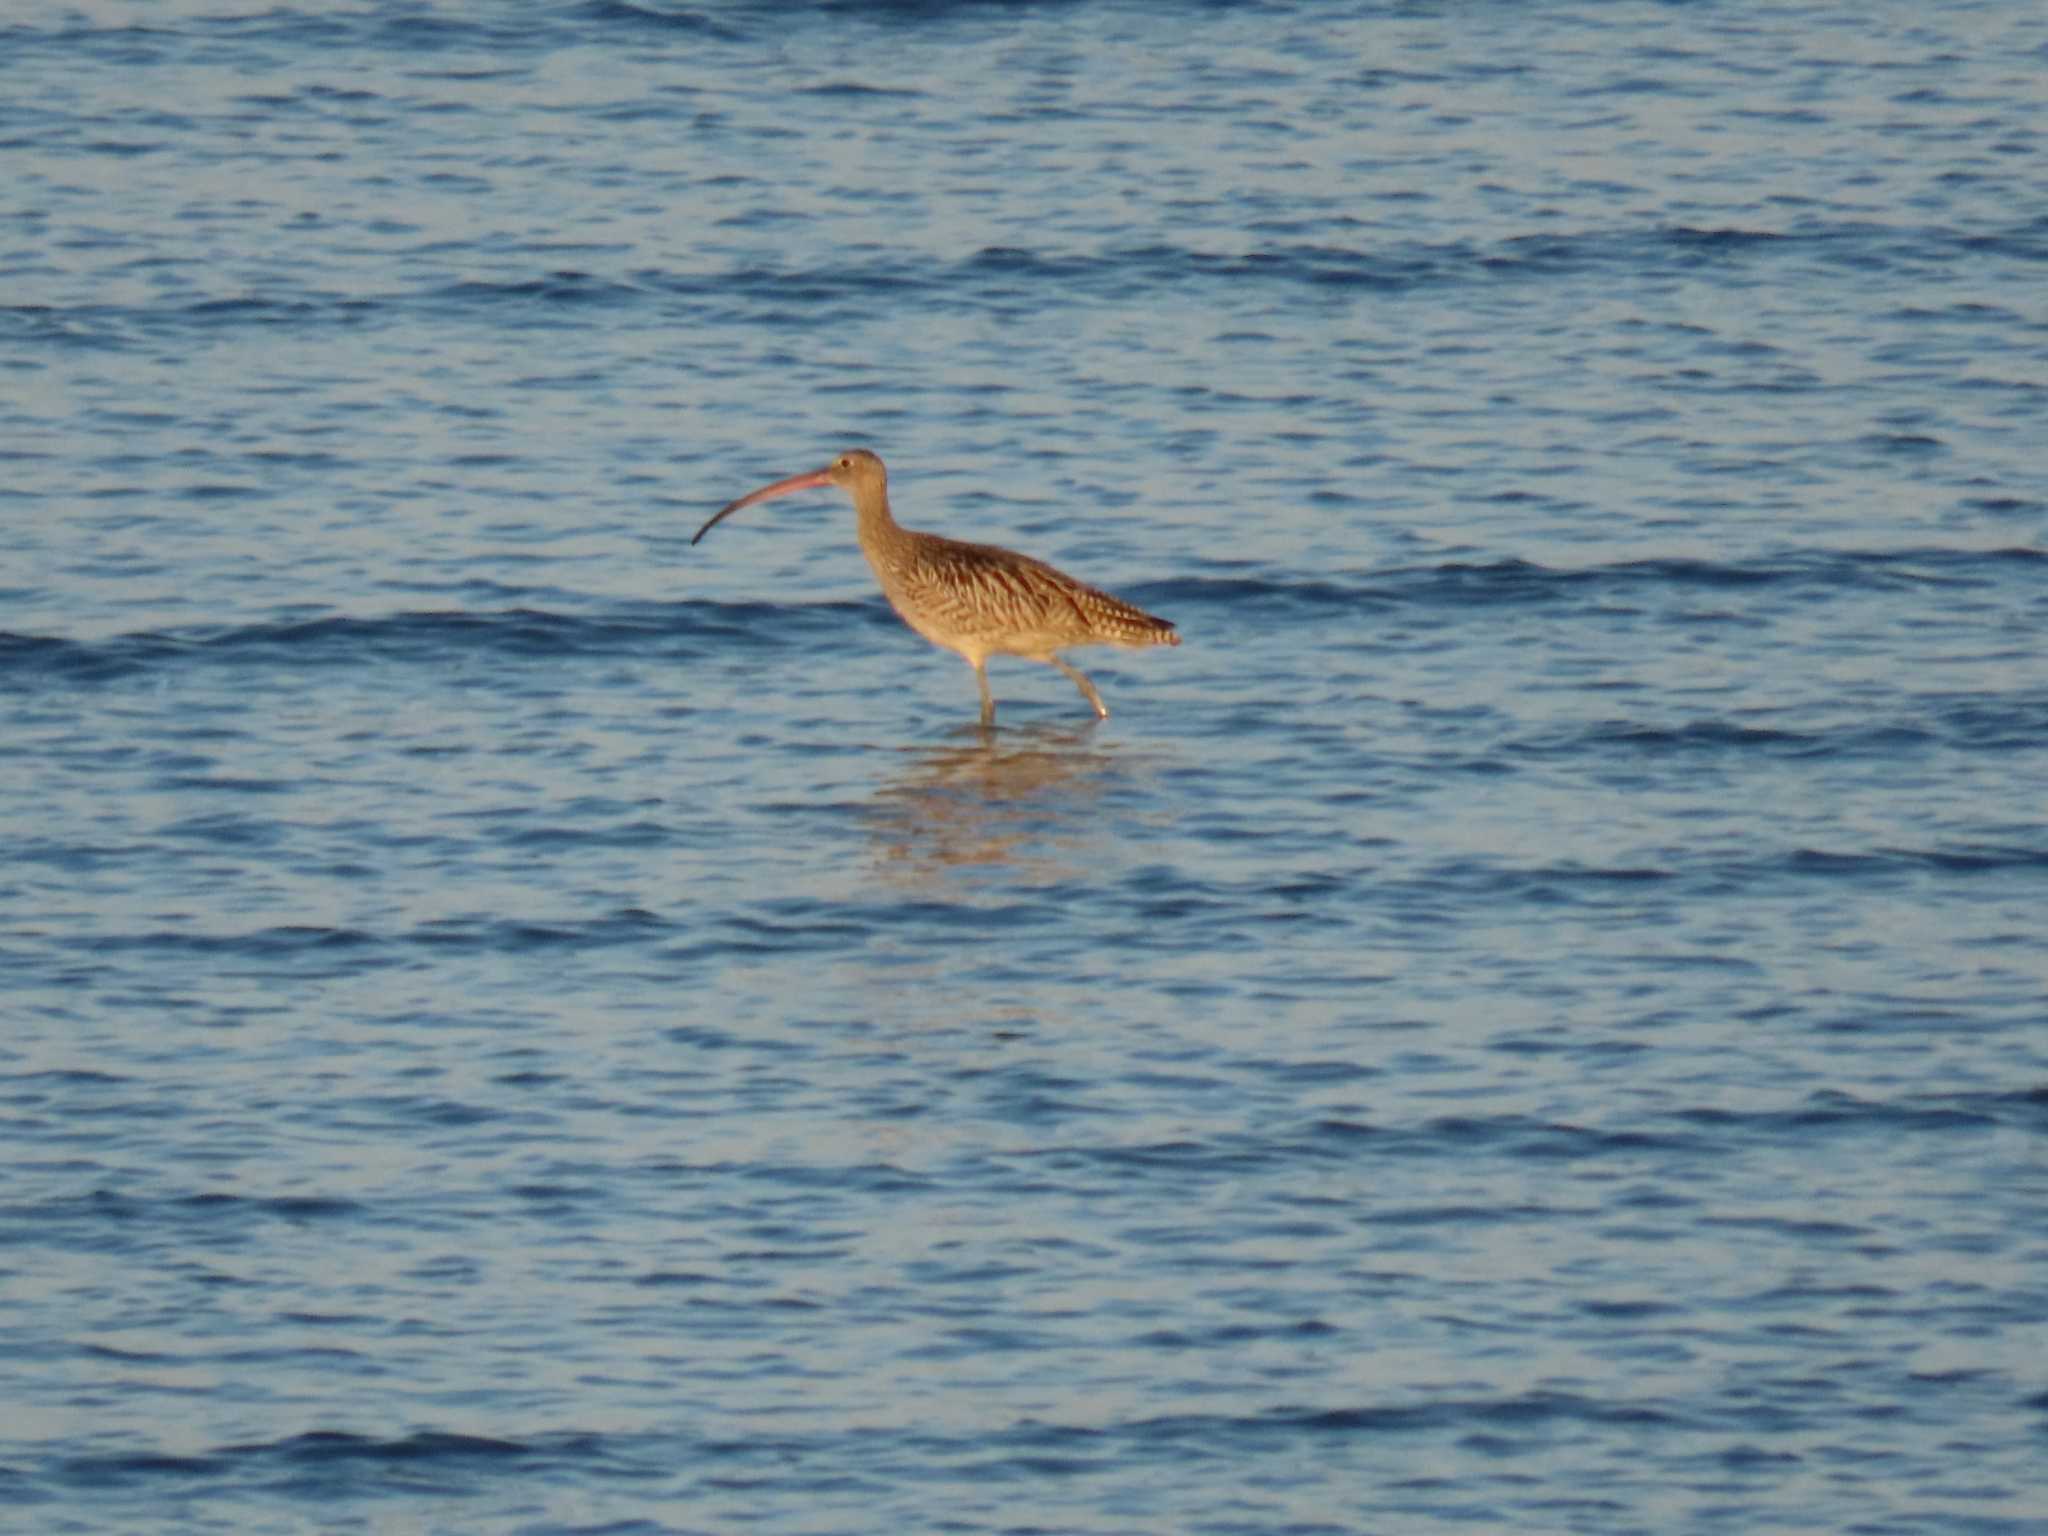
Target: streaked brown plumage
x,y
976,599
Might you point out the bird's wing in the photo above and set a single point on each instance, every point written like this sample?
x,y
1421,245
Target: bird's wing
x,y
983,589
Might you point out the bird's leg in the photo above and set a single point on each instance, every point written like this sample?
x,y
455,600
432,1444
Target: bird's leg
x,y
1087,688
988,702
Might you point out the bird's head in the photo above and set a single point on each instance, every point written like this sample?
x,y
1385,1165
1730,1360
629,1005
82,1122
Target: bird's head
x,y
854,470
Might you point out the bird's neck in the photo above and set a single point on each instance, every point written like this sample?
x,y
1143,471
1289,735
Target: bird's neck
x,y
873,523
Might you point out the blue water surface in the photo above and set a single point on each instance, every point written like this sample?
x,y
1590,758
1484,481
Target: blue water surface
x,y
1534,1018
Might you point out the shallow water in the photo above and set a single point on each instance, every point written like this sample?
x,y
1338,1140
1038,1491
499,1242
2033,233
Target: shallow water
x,y
1532,1017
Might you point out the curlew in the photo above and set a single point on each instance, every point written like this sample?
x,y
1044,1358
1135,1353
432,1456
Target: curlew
x,y
974,599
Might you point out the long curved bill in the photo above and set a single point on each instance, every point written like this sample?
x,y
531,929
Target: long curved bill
x,y
805,482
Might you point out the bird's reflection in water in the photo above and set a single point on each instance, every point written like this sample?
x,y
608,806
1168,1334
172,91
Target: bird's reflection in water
x,y
1019,799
